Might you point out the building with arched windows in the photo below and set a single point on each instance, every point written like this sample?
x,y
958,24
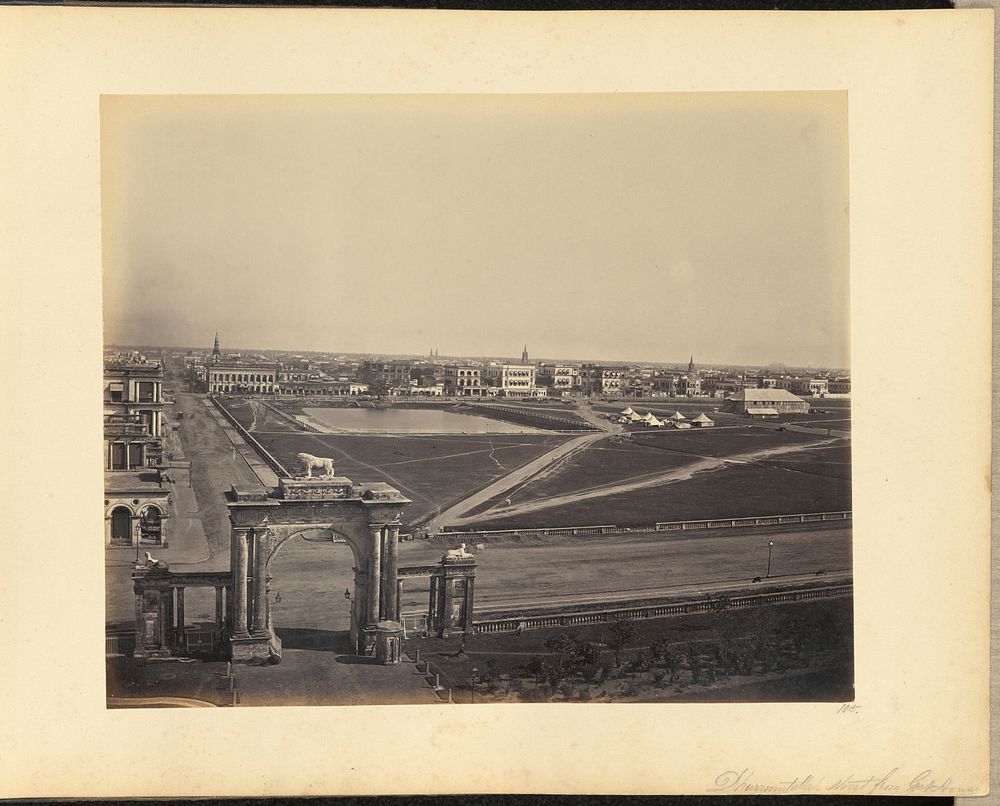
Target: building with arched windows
x,y
237,378
135,502
464,381
135,511
229,377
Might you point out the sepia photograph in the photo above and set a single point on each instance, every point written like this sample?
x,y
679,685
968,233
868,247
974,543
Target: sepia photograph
x,y
549,403
472,399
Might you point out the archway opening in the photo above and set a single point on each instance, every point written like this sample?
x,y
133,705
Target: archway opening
x,y
152,525
311,592
121,527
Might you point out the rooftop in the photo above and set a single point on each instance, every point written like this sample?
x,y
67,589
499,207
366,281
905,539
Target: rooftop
x,y
767,395
133,481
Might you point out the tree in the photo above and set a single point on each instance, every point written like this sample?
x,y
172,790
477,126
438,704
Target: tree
x,y
762,622
623,632
563,646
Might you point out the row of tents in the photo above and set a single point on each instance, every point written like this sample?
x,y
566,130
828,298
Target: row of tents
x,y
650,420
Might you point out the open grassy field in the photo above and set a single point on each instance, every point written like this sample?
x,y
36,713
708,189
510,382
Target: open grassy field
x,y
433,471
731,492
720,442
834,461
607,461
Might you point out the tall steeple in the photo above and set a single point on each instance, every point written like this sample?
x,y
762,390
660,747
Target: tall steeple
x,y
524,355
691,364
216,352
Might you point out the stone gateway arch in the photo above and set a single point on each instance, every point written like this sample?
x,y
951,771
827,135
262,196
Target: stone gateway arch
x,y
365,516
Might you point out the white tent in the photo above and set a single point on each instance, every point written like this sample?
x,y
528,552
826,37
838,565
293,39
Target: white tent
x,y
677,417
634,418
652,422
628,412
702,421
678,424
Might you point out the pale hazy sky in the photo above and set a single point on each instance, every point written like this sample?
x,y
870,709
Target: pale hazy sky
x,y
629,227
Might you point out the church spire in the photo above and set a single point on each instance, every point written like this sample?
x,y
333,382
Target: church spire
x,y
524,355
216,352
691,364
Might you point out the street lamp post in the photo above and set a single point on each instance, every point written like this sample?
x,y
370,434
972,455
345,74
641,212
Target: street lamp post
x,y
350,610
474,671
770,546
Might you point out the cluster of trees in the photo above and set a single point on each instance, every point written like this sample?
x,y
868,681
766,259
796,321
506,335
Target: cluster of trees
x,y
738,643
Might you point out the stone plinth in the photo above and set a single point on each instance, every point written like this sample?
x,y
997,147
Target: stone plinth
x,y
253,648
325,488
388,635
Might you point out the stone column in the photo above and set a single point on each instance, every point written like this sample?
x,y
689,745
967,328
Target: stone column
x,y
359,608
397,616
259,583
375,576
180,615
240,585
166,617
433,606
390,575
219,612
469,587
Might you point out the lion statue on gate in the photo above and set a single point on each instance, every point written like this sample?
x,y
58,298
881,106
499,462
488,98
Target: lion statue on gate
x,y
320,463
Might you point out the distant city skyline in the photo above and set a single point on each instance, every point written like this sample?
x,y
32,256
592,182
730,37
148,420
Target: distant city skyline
x,y
412,356
611,226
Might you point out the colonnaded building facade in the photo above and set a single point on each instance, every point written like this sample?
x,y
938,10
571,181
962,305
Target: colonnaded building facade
x,y
240,377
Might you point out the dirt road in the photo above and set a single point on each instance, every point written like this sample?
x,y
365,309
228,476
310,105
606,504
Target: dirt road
x,y
453,515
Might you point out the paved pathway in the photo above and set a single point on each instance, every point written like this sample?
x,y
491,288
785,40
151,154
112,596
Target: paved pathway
x,y
325,677
263,471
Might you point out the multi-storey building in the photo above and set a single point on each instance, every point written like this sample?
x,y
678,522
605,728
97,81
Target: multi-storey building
x,y
326,387
238,377
135,503
133,412
816,387
560,378
839,386
513,380
464,381
597,379
388,374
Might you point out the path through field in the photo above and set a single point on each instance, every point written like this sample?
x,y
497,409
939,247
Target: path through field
x,y
457,517
453,515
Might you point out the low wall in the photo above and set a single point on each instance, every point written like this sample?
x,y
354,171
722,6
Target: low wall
x,y
567,425
763,520
660,526
269,460
657,609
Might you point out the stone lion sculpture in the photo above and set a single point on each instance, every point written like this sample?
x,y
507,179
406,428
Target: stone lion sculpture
x,y
458,554
320,463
